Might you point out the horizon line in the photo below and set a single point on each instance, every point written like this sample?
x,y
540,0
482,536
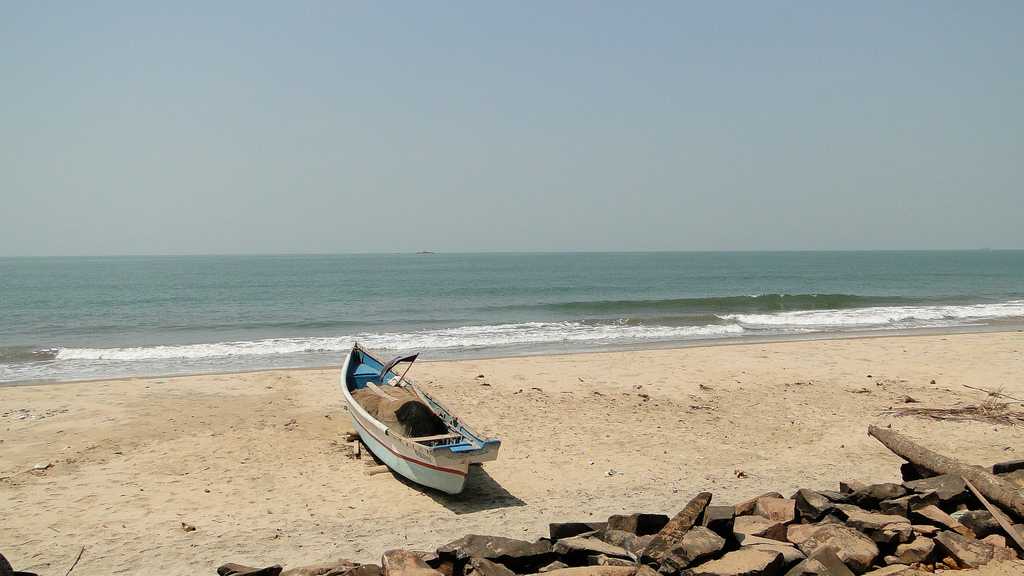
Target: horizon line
x,y
502,251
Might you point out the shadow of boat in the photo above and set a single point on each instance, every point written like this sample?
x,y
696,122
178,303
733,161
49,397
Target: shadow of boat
x,y
482,492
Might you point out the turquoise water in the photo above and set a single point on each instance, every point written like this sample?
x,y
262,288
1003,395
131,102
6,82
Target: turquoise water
x,y
66,318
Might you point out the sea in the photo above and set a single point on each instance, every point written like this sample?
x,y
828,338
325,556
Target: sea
x,y
102,317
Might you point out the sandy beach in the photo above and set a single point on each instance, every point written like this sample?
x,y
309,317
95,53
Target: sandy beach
x,y
257,463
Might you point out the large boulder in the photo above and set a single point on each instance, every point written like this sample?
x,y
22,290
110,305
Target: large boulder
x,y
484,567
856,550
672,534
917,550
595,571
777,509
232,569
719,519
903,506
631,542
822,562
790,553
405,563
969,552
559,530
587,545
339,567
698,544
743,562
935,516
882,528
869,496
519,555
747,506
947,487
745,526
639,524
811,505
980,522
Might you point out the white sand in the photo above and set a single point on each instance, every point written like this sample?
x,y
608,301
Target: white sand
x,y
256,462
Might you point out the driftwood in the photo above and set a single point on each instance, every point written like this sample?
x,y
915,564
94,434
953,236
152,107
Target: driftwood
x,y
996,513
991,486
80,552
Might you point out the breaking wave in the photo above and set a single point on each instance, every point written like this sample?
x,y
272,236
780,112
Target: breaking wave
x,y
464,337
881,316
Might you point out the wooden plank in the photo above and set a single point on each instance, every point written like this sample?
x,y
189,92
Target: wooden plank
x,y
435,437
996,513
376,470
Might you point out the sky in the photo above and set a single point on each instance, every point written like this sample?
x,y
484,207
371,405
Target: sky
x,y
309,127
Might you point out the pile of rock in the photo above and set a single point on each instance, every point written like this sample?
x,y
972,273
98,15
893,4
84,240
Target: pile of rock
x,y
924,524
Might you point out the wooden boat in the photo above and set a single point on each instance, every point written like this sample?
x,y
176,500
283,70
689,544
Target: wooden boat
x,y
441,460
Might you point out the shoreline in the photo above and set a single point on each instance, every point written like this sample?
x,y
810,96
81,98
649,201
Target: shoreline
x,y
995,327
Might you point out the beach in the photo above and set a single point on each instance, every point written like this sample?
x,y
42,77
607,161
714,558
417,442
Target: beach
x,y
257,462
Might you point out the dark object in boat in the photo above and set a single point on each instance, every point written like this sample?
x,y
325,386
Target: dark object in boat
x,y
401,409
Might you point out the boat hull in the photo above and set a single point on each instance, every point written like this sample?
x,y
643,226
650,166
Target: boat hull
x,y
443,467
449,478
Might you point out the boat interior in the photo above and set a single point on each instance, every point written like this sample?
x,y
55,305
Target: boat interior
x,y
364,373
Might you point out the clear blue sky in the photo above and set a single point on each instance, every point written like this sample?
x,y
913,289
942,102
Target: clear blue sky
x,y
241,127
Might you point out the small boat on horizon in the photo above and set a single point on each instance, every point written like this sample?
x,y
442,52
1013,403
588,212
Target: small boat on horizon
x,y
407,429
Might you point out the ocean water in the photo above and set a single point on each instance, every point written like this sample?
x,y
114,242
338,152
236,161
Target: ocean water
x,y
74,318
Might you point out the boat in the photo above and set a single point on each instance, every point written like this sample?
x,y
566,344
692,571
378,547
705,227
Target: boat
x,y
439,459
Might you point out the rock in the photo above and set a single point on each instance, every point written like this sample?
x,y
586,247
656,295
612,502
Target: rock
x,y
719,519
519,555
335,568
925,529
947,487
870,495
405,563
851,486
484,567
639,524
910,472
560,530
968,552
232,569
896,570
997,540
556,565
980,522
747,506
917,550
777,509
933,515
602,560
855,550
585,545
698,544
595,571
1015,478
903,506
811,505
823,562
743,562
838,497
631,542
672,534
798,533
790,554
1009,466
758,526
882,528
